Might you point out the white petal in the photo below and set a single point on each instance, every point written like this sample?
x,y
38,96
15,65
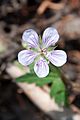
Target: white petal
x,y
26,57
57,57
30,37
50,37
41,68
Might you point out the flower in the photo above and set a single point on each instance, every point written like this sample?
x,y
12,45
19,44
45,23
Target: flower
x,y
40,51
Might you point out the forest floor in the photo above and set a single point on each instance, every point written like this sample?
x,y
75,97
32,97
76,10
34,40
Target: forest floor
x,y
17,16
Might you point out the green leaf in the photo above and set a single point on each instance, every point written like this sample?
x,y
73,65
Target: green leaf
x,y
58,91
29,77
44,81
32,78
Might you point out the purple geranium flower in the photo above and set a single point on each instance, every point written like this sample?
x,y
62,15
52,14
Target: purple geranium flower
x,y
40,51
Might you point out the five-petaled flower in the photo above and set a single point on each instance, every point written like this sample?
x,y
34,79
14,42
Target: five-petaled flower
x,y
40,51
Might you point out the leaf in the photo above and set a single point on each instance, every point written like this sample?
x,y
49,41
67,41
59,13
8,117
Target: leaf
x,y
32,78
29,77
44,81
58,91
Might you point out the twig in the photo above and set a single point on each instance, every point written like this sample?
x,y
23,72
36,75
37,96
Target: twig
x,y
48,4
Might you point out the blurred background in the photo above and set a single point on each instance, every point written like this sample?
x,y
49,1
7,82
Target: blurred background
x,y
15,17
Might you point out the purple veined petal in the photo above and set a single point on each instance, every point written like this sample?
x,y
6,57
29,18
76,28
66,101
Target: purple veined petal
x,y
50,37
26,57
57,57
30,37
41,68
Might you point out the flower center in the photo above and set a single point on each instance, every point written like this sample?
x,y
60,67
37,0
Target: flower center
x,y
43,51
